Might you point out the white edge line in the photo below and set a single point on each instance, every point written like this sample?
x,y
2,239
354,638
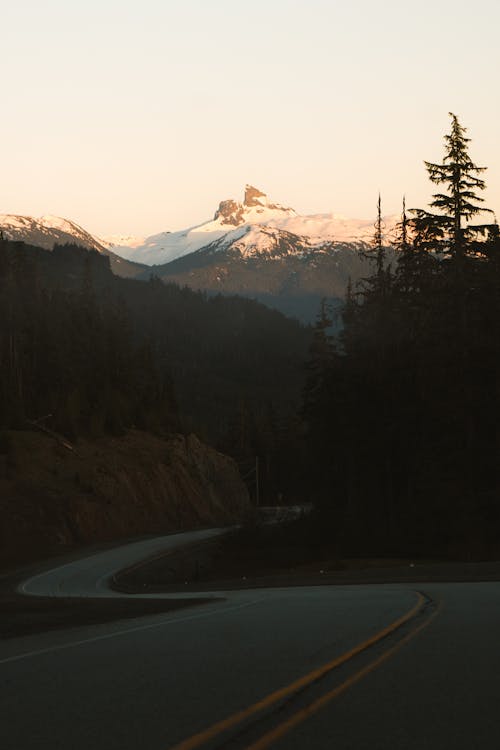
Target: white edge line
x,y
23,587
119,633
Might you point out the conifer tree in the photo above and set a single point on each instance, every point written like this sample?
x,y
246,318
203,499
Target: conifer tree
x,y
321,354
415,265
404,271
450,231
378,241
350,312
376,252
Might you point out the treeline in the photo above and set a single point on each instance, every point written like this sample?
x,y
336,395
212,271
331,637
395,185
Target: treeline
x,y
402,408
68,359
101,354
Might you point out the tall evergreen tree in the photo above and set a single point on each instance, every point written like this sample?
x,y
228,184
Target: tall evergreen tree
x,y
377,252
450,231
378,240
321,355
415,264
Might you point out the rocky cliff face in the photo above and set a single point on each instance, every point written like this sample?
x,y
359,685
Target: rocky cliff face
x,y
255,197
230,212
52,499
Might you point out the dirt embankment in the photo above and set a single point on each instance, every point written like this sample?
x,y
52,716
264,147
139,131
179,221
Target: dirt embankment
x,y
53,499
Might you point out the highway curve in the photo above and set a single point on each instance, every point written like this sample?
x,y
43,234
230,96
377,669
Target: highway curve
x,y
371,666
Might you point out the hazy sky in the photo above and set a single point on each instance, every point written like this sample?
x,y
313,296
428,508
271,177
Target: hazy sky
x,y
136,116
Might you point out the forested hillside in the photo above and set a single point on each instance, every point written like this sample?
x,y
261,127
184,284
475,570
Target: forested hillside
x,y
402,409
85,353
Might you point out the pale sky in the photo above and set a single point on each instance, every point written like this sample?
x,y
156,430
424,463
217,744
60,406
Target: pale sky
x,y
137,116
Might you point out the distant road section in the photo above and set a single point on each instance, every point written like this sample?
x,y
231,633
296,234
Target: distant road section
x,y
90,576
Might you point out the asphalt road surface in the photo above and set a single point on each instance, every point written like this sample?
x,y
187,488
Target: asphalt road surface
x,y
381,666
91,576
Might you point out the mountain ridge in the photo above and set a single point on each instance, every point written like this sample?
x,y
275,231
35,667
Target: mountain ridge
x,y
268,252
255,248
253,226
48,231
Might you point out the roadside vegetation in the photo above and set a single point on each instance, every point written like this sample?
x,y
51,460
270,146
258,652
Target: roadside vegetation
x,y
402,408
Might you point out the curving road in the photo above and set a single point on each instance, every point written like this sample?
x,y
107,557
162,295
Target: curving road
x,y
91,576
345,667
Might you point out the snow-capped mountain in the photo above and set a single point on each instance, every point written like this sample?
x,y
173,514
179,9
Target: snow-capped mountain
x,y
48,231
263,250
254,227
256,248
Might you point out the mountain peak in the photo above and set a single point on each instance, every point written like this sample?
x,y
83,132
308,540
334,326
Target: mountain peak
x,y
47,231
252,195
256,207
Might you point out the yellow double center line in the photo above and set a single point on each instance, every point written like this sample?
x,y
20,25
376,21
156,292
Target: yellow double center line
x,y
269,700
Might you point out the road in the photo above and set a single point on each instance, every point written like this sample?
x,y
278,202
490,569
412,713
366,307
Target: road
x,y
90,576
345,667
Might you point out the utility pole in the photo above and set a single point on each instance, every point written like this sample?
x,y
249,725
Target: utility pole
x,y
257,499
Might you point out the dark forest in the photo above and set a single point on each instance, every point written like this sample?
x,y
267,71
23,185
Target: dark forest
x,y
402,408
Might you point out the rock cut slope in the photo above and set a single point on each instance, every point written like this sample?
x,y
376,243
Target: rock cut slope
x,y
108,488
